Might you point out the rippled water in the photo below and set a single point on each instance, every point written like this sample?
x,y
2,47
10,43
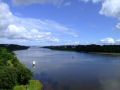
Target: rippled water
x,y
62,70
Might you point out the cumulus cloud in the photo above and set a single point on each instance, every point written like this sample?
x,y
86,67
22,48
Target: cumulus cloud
x,y
14,27
110,8
28,2
110,41
5,16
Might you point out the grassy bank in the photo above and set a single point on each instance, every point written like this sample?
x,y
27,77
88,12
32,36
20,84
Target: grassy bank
x,y
33,85
13,73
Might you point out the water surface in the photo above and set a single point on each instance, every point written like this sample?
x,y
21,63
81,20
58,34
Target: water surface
x,y
62,70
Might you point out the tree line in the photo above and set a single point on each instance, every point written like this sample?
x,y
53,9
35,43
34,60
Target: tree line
x,y
13,47
88,48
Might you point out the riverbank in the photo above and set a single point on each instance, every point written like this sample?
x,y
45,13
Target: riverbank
x,y
13,72
32,85
116,54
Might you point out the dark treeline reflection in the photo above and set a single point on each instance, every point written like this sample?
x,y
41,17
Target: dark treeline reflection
x,y
88,48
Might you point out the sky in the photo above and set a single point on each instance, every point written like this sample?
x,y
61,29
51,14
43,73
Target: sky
x,y
59,22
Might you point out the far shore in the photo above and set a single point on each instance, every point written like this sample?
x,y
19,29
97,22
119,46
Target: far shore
x,y
104,53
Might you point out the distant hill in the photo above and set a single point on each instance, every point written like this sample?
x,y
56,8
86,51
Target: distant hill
x,y
13,47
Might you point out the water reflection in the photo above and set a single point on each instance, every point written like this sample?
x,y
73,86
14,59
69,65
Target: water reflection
x,y
110,84
59,70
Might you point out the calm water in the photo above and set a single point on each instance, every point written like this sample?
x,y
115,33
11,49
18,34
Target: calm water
x,y
62,70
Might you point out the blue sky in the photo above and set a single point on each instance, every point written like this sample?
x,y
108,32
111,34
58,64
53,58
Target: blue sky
x,y
56,22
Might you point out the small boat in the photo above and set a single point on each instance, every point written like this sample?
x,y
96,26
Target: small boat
x,y
34,63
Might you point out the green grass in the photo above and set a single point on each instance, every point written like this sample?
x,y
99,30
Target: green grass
x,y
33,85
9,63
19,87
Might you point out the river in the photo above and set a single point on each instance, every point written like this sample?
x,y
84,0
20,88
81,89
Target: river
x,y
63,70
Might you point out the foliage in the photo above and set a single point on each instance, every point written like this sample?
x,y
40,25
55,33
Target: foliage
x,y
8,77
24,74
13,47
12,72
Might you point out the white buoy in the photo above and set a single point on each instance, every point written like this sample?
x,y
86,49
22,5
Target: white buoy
x,y
34,63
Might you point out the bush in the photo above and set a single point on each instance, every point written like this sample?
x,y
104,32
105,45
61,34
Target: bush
x,y
8,77
24,75
12,72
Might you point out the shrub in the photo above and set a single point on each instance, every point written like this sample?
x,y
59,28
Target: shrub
x,y
8,77
12,72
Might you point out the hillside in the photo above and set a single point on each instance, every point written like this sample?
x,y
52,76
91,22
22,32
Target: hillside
x,y
13,47
12,72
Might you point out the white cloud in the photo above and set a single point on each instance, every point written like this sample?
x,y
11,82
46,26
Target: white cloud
x,y
118,25
14,27
108,41
110,8
28,2
118,42
5,16
94,1
77,42
20,32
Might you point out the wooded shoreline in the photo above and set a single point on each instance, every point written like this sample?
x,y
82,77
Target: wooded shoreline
x,y
103,49
13,74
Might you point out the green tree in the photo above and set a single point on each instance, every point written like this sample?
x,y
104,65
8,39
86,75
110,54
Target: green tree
x,y
12,72
8,77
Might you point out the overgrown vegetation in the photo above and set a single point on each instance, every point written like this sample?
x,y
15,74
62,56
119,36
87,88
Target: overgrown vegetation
x,y
12,72
88,48
33,85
